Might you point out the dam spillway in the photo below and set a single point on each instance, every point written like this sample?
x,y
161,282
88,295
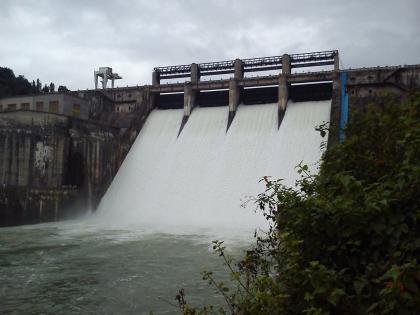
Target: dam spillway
x,y
201,178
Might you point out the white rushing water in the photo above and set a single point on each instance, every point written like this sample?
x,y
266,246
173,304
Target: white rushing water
x,y
201,178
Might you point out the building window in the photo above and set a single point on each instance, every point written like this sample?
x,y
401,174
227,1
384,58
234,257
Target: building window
x,y
76,110
39,106
11,106
53,107
1,107
129,95
24,106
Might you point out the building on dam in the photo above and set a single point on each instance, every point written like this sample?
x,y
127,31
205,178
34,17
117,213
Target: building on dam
x,y
60,151
56,103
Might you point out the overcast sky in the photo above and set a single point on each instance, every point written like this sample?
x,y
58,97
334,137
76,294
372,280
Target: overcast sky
x,y
64,41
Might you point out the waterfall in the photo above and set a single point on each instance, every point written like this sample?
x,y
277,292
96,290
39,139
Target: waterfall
x,y
201,178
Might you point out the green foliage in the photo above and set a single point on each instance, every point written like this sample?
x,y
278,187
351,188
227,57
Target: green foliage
x,y
10,85
345,241
62,89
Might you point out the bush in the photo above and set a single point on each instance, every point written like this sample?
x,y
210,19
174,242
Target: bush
x,y
345,241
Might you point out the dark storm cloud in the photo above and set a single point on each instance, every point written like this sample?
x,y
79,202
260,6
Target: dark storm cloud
x,y
64,41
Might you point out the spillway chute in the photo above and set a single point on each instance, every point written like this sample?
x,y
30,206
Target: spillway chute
x,y
201,177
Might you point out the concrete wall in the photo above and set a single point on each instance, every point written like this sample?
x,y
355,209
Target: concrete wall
x,y
17,102
125,107
66,104
53,166
98,103
370,85
67,107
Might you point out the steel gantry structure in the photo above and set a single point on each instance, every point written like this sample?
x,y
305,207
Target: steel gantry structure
x,y
239,66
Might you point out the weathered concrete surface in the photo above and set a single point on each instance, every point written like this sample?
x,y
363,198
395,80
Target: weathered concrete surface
x,y
61,103
371,85
367,85
239,69
189,99
333,135
286,65
195,73
234,97
50,163
283,96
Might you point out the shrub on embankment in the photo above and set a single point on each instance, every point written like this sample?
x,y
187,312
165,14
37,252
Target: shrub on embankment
x,y
345,241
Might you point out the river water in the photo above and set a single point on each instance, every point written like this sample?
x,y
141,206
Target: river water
x,y
77,267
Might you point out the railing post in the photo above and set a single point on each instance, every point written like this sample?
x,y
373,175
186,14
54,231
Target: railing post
x,y
239,69
336,62
286,64
195,73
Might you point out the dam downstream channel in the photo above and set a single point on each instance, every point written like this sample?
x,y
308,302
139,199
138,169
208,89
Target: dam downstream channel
x,y
170,198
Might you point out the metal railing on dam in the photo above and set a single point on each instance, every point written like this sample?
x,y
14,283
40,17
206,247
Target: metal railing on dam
x,y
232,91
239,66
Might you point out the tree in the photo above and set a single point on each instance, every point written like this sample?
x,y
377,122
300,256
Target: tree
x,y
62,89
6,81
6,75
345,241
11,85
22,86
38,86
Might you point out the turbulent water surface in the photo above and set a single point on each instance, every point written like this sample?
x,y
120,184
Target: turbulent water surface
x,y
80,268
152,232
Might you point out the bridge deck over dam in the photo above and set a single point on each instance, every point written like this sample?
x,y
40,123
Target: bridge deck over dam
x,y
277,88
244,82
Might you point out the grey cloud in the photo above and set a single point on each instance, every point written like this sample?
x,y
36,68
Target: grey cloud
x,y
63,41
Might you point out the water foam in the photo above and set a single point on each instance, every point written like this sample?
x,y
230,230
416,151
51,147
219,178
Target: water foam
x,y
200,179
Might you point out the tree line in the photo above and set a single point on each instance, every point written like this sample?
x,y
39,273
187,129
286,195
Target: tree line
x,y
11,85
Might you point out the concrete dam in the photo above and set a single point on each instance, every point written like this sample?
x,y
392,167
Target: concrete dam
x,y
199,178
201,154
59,161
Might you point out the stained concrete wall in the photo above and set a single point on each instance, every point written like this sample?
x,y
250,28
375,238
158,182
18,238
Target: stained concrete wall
x,y
66,103
365,86
54,166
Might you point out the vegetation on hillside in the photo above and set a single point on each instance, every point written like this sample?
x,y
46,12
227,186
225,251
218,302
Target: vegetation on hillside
x,y
10,85
344,241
